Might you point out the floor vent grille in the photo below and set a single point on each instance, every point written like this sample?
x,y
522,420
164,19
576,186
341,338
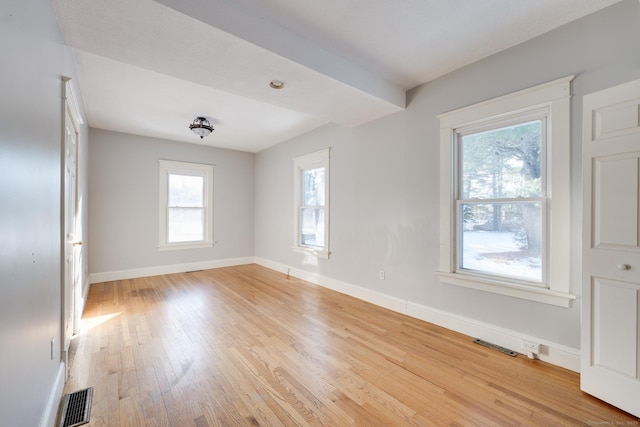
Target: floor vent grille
x,y
76,408
496,347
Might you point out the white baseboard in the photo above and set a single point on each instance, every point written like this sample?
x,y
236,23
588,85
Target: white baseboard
x,y
50,413
167,269
556,354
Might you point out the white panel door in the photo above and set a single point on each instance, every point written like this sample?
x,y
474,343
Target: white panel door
x,y
72,226
70,201
610,342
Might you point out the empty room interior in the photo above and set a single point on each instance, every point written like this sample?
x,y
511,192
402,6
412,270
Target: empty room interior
x,y
365,213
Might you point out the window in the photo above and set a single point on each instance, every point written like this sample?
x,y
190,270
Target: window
x,y
505,195
186,209
311,203
500,197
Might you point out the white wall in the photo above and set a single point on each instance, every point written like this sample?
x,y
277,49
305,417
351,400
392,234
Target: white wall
x,y
384,177
34,59
123,207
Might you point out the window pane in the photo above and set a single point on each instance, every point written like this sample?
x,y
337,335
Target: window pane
x,y
313,190
186,190
502,163
185,225
502,239
312,227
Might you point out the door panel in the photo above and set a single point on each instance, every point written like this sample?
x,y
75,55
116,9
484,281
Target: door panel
x,y
610,338
615,120
615,329
615,216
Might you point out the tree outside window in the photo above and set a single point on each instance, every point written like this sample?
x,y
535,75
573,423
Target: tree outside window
x,y
501,199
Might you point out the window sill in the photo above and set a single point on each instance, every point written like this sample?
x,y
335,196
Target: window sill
x,y
313,252
181,246
530,293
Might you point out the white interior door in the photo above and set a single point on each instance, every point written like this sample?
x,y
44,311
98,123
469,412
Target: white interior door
x,y
72,273
610,342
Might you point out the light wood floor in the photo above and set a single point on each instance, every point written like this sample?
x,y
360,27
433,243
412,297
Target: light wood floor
x,y
247,346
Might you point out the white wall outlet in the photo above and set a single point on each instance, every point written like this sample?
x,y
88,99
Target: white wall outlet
x,y
531,348
381,275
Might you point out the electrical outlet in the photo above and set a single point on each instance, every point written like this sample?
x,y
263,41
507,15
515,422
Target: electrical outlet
x,y
381,275
531,348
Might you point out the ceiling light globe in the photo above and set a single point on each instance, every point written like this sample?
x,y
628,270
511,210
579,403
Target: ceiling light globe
x,y
201,127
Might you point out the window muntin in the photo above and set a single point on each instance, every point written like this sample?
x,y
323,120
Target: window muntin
x,y
501,203
311,203
186,210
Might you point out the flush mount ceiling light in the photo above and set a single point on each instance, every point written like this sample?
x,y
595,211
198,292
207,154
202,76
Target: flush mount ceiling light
x,y
277,84
201,127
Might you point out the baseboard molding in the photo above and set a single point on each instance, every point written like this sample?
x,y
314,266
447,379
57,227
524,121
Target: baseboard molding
x,y
556,354
166,269
51,410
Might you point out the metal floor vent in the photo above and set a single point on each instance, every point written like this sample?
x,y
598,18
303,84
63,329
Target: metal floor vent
x,y
76,408
496,347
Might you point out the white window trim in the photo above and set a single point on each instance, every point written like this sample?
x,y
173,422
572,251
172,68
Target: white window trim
x,y
310,161
167,167
556,97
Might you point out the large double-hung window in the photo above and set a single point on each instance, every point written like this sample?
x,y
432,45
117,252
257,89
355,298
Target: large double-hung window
x,y
186,207
505,224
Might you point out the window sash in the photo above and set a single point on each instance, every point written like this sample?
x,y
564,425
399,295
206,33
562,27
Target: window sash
x,y
514,119
524,278
202,195
179,231
316,230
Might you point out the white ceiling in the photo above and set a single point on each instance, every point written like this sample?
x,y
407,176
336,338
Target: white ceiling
x,y
150,67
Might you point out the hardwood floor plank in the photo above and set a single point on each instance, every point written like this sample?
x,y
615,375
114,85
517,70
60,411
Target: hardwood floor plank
x,y
247,346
